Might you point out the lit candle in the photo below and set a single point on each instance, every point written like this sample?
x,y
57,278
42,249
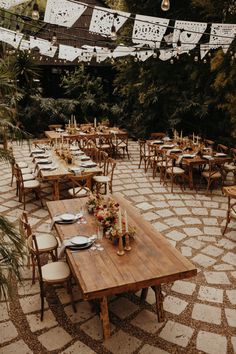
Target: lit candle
x,y
95,122
56,142
193,138
181,135
126,222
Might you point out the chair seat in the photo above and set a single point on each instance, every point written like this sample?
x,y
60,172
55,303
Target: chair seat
x,y
26,170
22,164
46,242
233,214
55,272
162,164
120,145
28,177
78,192
210,174
104,146
229,168
31,184
176,170
101,179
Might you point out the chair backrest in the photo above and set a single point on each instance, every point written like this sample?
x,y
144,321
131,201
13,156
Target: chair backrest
x,y
142,147
158,135
102,157
33,249
209,143
105,139
216,165
24,226
121,139
19,177
233,154
110,167
81,184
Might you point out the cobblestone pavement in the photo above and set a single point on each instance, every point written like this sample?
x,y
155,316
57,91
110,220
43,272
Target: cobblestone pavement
x,y
200,311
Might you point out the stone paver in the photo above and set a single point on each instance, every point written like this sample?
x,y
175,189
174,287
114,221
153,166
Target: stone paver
x,y
211,343
231,317
206,313
183,287
7,331
210,294
147,321
231,296
18,347
36,324
177,333
203,260
122,343
149,349
55,338
78,348
216,278
174,305
122,307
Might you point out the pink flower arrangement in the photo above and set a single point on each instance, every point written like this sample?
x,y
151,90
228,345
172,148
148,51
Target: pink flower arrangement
x,y
107,214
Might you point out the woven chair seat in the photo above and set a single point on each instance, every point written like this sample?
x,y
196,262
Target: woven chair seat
x,y
28,177
55,272
210,174
46,242
175,171
31,184
78,192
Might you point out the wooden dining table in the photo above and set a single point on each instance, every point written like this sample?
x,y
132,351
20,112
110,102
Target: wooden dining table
x,y
63,170
151,262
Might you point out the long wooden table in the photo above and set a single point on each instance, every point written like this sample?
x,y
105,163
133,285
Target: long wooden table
x,y
62,171
99,274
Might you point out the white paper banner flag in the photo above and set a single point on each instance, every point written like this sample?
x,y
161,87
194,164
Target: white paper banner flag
x,y
63,12
7,4
103,20
68,52
122,51
10,37
24,45
188,33
227,31
45,47
149,30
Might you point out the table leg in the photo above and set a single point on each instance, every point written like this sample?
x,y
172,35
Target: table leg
x,y
143,295
190,176
56,193
104,315
159,303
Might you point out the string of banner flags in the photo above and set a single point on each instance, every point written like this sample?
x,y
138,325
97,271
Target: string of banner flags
x,y
151,36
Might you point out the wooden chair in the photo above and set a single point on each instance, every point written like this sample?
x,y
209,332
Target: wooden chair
x,y
231,167
102,157
47,243
105,142
143,153
158,135
230,192
51,273
27,185
120,143
81,185
106,179
22,165
54,126
175,173
214,173
209,143
89,140
41,143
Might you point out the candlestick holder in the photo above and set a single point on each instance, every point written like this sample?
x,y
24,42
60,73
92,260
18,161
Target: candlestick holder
x,y
127,245
120,251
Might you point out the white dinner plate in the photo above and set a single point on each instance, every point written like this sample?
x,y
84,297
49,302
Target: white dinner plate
x,y
80,240
220,154
85,158
68,217
42,161
88,164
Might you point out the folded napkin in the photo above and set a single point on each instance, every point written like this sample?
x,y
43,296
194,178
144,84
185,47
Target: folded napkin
x,y
69,243
58,218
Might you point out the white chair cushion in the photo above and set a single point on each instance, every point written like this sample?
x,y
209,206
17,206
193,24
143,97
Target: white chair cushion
x,y
208,174
79,192
101,179
46,242
26,170
31,184
233,214
55,272
22,164
28,177
176,170
105,146
229,167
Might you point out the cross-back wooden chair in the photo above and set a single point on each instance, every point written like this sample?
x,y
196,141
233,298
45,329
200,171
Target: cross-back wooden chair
x,y
175,173
27,184
143,153
222,148
102,157
105,142
231,167
47,243
230,192
107,178
53,273
209,143
215,173
120,143
81,185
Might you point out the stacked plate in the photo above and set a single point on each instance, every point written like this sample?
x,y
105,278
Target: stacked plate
x,y
67,218
88,164
80,243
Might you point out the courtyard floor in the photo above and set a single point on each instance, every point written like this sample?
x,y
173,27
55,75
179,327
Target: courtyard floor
x,y
200,312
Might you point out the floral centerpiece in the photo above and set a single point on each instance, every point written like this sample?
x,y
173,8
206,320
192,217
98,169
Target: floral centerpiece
x,y
107,214
93,202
